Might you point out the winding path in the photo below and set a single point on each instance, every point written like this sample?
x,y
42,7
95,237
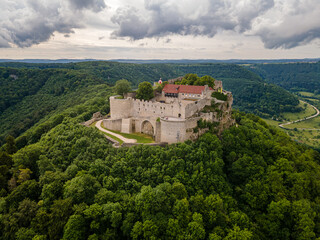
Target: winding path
x,y
303,119
125,140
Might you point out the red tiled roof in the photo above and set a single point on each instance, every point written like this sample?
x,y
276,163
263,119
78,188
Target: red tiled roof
x,y
173,88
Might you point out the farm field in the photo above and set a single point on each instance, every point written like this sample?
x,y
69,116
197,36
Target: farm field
x,y
305,132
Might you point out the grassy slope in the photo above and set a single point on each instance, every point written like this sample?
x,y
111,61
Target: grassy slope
x,y
307,111
296,131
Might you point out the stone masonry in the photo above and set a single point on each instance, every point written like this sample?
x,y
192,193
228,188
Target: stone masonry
x,y
171,116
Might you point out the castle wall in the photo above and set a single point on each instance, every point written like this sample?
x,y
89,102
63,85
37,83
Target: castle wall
x,y
120,108
126,108
190,125
178,117
158,132
193,108
173,131
112,124
156,109
218,85
126,126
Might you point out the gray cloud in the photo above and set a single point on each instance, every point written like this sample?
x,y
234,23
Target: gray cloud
x,y
279,24
130,24
94,5
298,27
4,43
162,18
25,23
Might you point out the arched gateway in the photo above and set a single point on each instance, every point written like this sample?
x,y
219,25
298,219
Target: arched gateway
x,y
147,128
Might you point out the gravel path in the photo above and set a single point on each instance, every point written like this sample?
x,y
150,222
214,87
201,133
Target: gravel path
x,y
125,140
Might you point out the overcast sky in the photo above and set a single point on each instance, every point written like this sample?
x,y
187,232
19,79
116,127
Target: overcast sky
x,y
160,29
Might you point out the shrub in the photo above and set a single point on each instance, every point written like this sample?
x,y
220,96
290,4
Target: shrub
x,y
219,96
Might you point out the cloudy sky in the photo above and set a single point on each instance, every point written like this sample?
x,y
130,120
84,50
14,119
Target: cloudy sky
x,y
160,29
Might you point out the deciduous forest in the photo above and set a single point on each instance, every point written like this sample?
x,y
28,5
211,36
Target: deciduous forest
x,y
62,180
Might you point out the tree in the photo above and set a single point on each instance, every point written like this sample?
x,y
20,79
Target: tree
x,y
61,210
237,234
82,188
195,228
145,91
122,86
75,228
10,145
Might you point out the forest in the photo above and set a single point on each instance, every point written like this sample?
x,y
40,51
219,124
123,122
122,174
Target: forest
x,y
291,76
62,180
251,183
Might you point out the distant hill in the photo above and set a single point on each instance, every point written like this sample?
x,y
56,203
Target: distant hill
x,y
44,60
180,61
31,97
291,76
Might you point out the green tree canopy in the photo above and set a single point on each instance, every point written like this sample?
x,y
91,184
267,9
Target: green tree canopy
x,y
194,79
122,86
145,91
10,144
82,188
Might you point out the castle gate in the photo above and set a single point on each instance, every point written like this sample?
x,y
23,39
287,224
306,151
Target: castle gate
x,y
147,128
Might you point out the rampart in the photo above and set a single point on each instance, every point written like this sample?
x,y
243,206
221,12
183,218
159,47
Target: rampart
x,y
167,118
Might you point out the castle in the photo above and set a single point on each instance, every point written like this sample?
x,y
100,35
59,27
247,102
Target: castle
x,y
171,116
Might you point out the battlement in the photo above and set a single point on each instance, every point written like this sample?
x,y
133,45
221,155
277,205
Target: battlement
x,y
170,117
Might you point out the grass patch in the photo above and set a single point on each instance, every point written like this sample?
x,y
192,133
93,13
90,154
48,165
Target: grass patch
x,y
306,94
93,124
271,122
308,137
109,135
140,137
190,99
313,123
113,137
307,112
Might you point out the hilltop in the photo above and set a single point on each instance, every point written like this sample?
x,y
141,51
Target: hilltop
x,y
60,179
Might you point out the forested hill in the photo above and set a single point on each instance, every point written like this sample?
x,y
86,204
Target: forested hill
x,y
253,183
250,92
61,180
34,97
109,71
291,76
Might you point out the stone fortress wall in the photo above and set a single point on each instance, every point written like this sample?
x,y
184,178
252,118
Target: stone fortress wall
x,y
167,119
130,115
